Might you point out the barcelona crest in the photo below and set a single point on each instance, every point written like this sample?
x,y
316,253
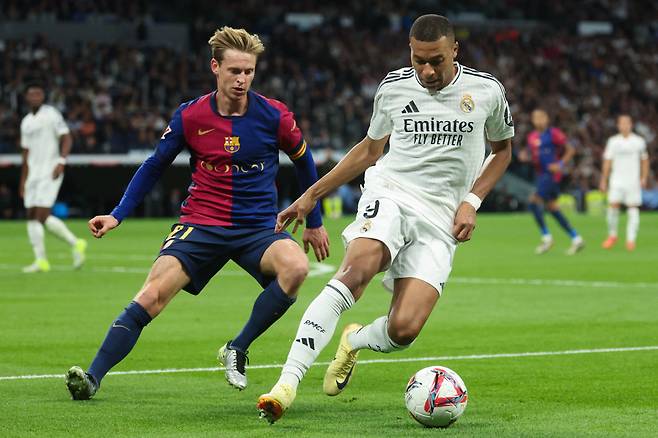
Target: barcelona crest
x,y
231,144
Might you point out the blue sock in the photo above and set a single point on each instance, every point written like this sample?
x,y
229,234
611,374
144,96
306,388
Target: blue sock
x,y
564,223
120,339
538,213
270,305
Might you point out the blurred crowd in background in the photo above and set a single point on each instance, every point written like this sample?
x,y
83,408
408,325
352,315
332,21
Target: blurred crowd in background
x,y
118,97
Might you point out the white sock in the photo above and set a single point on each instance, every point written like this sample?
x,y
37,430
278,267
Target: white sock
x,y
613,221
35,233
59,229
315,330
633,224
374,336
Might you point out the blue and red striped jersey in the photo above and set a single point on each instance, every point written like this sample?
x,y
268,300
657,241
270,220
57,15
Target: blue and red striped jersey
x,y
234,161
545,148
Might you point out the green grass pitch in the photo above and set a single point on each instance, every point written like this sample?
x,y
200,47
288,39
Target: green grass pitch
x,y
501,299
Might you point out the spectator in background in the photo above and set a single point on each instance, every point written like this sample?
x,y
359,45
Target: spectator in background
x,y
330,78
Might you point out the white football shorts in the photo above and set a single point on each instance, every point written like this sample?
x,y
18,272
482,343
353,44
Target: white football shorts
x,y
627,195
41,192
419,249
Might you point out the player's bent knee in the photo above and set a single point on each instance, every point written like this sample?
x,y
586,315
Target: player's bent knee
x,y
151,299
292,277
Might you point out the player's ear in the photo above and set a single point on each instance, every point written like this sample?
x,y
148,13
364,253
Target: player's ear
x,y
214,66
455,49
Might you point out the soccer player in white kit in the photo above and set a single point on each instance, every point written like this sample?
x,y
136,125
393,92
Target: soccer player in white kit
x,y
420,199
43,130
626,165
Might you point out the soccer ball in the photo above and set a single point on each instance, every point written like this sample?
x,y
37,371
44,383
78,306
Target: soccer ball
x,y
436,396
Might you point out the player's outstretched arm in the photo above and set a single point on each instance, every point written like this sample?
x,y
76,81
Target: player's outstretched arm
x,y
363,155
493,170
100,225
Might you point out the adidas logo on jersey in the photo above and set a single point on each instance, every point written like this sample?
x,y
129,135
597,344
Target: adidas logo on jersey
x,y
410,108
309,342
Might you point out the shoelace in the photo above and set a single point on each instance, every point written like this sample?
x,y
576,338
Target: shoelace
x,y
239,361
347,366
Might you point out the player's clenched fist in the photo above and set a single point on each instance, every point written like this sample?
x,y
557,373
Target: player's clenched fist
x,y
100,225
464,224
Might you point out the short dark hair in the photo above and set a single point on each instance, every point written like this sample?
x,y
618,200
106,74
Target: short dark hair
x,y
431,27
34,83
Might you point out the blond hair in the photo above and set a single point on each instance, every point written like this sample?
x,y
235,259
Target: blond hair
x,y
236,39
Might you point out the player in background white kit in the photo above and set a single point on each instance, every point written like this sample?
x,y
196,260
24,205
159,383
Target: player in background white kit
x,y
419,201
43,130
626,163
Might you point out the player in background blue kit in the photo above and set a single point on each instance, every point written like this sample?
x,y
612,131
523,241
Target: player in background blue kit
x,y
234,136
549,151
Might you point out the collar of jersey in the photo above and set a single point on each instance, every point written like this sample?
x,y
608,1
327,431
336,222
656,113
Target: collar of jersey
x,y
213,104
453,82
33,114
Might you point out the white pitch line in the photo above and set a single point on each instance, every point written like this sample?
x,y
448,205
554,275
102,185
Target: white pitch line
x,y
553,282
362,362
320,269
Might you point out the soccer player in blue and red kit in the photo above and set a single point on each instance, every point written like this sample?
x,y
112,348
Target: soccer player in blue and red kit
x,y
549,151
234,136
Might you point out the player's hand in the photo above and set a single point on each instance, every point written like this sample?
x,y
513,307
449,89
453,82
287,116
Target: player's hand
x,y
555,167
100,225
59,169
319,240
603,185
464,224
21,189
644,183
296,213
523,155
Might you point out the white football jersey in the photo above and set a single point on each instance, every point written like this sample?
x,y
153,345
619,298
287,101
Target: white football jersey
x,y
626,154
40,134
437,139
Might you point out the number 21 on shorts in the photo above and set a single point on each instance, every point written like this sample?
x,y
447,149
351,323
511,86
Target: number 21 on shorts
x,y
177,229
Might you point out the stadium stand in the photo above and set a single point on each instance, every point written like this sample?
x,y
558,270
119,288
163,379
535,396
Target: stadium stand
x,y
325,62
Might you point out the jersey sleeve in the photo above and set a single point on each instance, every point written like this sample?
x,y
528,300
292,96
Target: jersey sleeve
x,y
291,141
381,124
643,149
499,124
24,145
609,150
558,137
169,146
59,124
289,136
